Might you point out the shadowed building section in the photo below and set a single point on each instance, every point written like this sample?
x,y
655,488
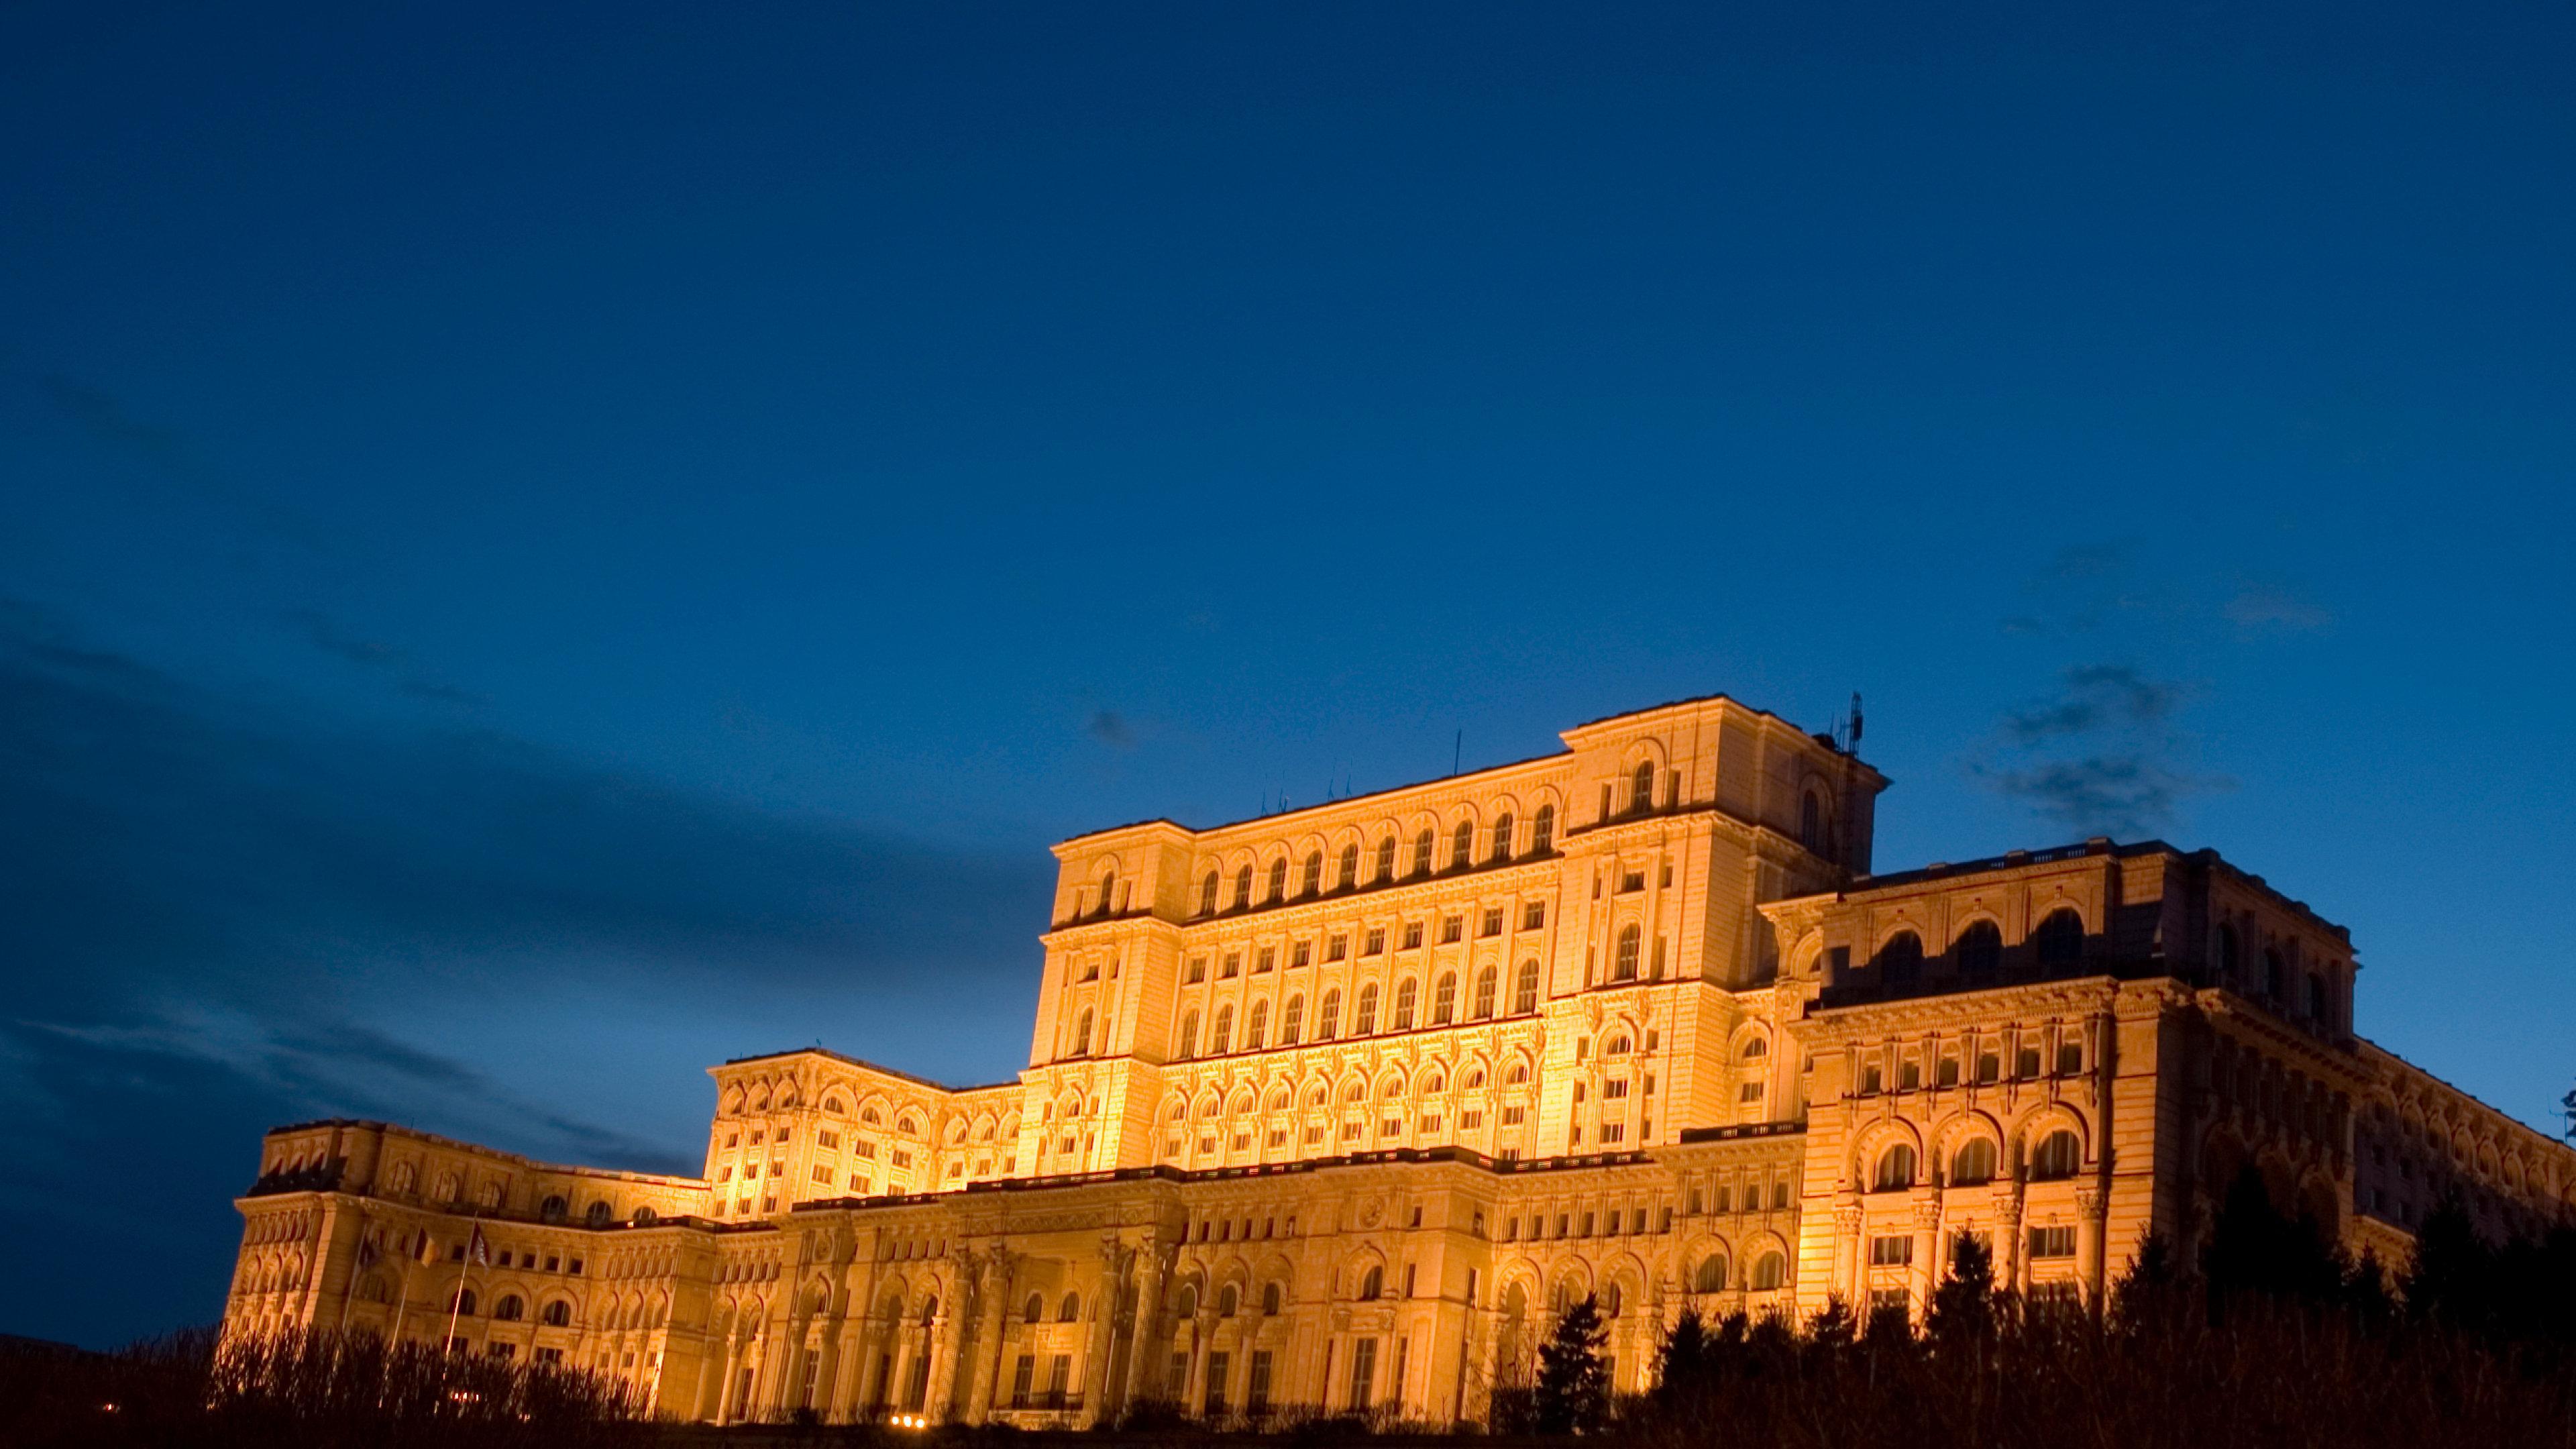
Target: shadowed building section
x,y
1335,1108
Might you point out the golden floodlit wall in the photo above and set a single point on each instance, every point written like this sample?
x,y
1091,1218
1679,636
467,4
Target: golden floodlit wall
x,y
1336,1107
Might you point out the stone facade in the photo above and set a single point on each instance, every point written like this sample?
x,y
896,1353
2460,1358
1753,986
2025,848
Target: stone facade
x,y
1334,1107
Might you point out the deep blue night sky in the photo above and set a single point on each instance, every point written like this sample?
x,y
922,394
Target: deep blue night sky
x,y
540,551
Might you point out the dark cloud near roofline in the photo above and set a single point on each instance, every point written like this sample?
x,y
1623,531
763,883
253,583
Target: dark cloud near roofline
x,y
201,896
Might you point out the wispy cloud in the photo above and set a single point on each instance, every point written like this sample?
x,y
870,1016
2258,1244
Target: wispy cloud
x,y
2265,606
1111,729
2099,755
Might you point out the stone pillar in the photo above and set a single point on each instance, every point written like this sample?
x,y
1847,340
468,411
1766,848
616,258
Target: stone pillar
x,y
1927,1254
992,1307
725,1362
2008,1244
945,1341
2092,1206
1104,1321
1148,1340
1847,1257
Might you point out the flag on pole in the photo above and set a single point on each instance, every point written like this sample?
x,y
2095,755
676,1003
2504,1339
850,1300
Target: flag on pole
x,y
428,1247
477,1250
366,1254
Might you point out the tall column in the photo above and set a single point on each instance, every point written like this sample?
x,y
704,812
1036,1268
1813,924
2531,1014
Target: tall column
x,y
992,1307
1104,1320
2092,1206
1147,1340
2008,1244
1847,1256
1927,1253
945,1341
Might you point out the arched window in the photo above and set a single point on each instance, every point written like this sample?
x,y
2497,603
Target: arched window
x,y
1484,1007
462,1303
1422,852
1224,1033
1314,872
1406,992
1070,1310
1269,1300
1895,1170
1711,1277
1350,870
1227,1301
598,1214
1980,949
1811,822
2316,997
557,1314
1641,788
1190,1036
1525,990
1974,1163
1517,1076
2272,972
1034,1311
1900,959
1623,966
1611,1301
1256,1026
1243,888
2060,938
554,1209
1543,830
1364,1016
930,1310
1328,1019
1755,1048
1292,1019
1372,1283
1502,839
1462,846
1082,1034
1278,879
509,1309
1444,999
1108,891
1385,860
1207,895
1186,1303
2056,1158
2230,956
1769,1272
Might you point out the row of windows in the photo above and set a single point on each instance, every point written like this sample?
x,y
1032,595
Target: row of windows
x,y
1373,941
1979,949
1501,846
2027,1062
511,1308
1483,1005
2057,1157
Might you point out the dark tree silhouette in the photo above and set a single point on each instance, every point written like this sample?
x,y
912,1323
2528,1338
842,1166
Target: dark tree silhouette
x,y
1573,1390
1963,1306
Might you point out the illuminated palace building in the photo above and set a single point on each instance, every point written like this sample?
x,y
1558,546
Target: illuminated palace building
x,y
1333,1108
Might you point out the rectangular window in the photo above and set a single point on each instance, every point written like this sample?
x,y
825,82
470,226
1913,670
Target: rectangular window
x,y
1779,1195
1895,1250
1233,966
1198,969
1390,1127
828,1138
1430,1122
1413,935
1749,1092
1988,1068
2056,1242
1514,1116
1470,1119
2070,1059
1533,915
1303,953
1256,1387
1613,1132
1337,947
1493,922
823,1175
1890,1298
902,1158
1363,1373
1216,1374
1024,1378
1452,929
1267,960
1350,1130
1615,1087
1634,880
1374,944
